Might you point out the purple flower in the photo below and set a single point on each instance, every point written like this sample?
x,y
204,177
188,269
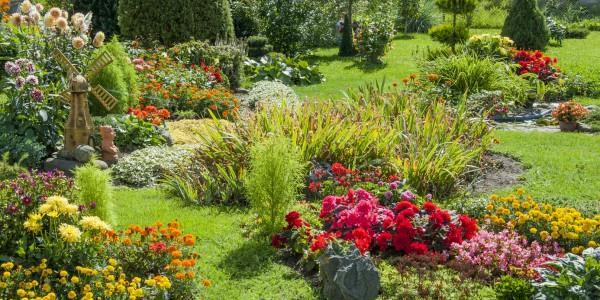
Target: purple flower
x,y
380,183
19,82
12,69
12,209
26,200
388,195
92,205
408,196
81,208
37,95
429,197
30,68
22,62
32,79
394,185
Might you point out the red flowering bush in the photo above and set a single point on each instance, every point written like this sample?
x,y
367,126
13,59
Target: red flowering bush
x,y
359,218
150,113
537,63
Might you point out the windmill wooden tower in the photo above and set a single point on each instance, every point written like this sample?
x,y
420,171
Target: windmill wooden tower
x,y
79,126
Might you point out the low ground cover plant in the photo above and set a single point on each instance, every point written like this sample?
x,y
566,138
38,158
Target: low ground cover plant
x,y
290,71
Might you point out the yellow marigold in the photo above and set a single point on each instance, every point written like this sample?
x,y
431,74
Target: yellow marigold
x,y
74,280
69,233
93,223
592,244
72,295
7,266
533,230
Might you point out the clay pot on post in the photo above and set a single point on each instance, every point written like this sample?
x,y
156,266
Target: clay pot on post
x,y
568,126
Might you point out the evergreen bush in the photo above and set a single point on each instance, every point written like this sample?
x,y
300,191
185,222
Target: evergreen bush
x,y
177,21
526,25
347,45
119,78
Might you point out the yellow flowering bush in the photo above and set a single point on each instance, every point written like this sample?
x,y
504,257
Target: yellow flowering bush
x,y
567,226
109,282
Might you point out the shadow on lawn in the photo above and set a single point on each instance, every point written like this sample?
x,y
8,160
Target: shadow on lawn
x,y
248,260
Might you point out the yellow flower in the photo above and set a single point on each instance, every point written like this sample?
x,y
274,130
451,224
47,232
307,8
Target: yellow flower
x,y
592,244
544,235
489,207
7,266
64,273
533,230
494,197
32,224
520,191
72,295
93,223
6,274
112,262
74,280
69,233
21,293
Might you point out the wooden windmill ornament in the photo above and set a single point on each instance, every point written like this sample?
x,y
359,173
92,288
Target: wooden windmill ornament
x,y
79,126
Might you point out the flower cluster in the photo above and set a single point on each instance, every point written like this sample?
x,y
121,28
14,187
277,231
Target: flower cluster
x,y
168,83
537,221
505,252
109,282
570,111
491,45
537,63
156,249
150,113
360,219
23,78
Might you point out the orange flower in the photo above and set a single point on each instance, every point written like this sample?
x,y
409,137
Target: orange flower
x,y
180,275
206,282
189,240
176,254
213,107
190,274
188,263
127,242
176,262
173,224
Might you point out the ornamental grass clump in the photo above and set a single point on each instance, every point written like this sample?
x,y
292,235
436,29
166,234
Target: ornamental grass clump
x,y
93,189
273,180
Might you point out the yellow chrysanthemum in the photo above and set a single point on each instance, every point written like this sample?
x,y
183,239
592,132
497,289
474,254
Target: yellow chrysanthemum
x,y
93,223
69,233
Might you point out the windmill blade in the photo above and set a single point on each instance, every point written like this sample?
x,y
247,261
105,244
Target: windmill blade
x,y
104,97
65,97
98,64
64,62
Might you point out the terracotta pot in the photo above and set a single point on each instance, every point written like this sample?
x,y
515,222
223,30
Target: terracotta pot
x,y
568,126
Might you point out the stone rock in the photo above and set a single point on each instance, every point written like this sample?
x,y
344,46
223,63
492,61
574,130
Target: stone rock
x,y
165,134
84,153
69,166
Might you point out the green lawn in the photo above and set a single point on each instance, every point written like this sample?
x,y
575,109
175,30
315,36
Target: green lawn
x,y
563,167
579,56
239,268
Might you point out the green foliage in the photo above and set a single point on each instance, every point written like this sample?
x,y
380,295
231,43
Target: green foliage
x,y
348,275
511,288
104,14
577,33
258,46
181,188
131,132
565,10
571,277
526,25
22,145
146,167
448,34
152,20
375,36
228,56
93,189
282,21
589,24
347,45
488,17
492,46
273,181
456,7
245,18
9,170
270,93
429,283
558,32
288,70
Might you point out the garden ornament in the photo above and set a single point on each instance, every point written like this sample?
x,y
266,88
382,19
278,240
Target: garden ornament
x,y
110,152
79,126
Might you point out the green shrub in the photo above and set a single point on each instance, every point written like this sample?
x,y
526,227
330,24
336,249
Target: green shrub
x,y
283,20
245,18
93,189
131,132
456,8
22,145
270,93
104,14
119,78
288,70
492,17
8,169
526,25
589,24
511,288
179,21
258,46
228,56
146,167
449,35
375,36
273,180
558,32
577,33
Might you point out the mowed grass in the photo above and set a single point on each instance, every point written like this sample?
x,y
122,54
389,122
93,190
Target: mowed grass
x,y
239,268
563,168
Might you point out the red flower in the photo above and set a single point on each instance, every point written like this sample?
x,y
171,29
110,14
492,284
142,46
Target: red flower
x,y
383,240
469,225
361,239
454,235
320,242
314,186
293,220
429,207
339,170
158,247
417,248
328,206
277,241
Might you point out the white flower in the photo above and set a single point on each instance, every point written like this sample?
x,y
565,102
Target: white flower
x,y
26,7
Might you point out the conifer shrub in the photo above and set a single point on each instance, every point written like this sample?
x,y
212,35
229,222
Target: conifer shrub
x,y
176,21
526,25
347,45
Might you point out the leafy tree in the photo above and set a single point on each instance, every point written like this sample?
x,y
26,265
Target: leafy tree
x,y
282,22
347,45
456,8
526,25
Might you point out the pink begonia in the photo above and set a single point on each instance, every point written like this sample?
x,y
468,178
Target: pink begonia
x,y
505,252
